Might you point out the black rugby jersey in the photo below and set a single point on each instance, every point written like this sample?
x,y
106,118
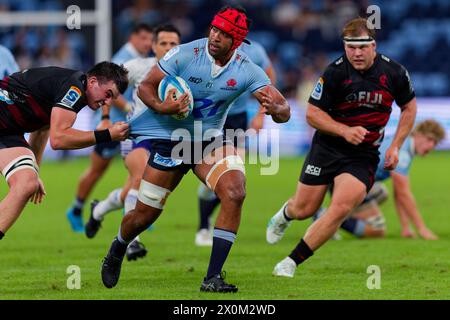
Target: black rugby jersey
x,y
27,97
362,99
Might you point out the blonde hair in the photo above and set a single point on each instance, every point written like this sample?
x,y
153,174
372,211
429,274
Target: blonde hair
x,y
357,26
430,128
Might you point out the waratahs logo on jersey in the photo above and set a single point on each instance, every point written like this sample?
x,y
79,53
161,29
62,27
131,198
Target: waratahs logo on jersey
x,y
231,82
71,97
231,85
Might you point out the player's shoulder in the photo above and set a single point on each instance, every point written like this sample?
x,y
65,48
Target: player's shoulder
x,y
194,47
188,51
254,48
337,64
4,51
390,64
337,68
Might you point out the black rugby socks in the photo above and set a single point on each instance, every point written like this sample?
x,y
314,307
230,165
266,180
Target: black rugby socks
x,y
301,252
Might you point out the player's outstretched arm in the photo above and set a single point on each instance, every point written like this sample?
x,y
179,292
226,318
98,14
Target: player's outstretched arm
x,y
405,203
405,124
273,103
64,137
320,120
147,92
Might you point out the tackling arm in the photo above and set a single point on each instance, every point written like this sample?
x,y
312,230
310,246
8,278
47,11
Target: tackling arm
x,y
64,137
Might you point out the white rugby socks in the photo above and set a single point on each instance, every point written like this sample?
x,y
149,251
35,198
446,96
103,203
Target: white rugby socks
x,y
111,203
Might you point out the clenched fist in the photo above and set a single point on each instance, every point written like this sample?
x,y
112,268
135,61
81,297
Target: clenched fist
x,y
355,135
119,131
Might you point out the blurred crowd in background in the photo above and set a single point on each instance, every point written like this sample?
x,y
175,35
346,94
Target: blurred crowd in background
x,y
301,36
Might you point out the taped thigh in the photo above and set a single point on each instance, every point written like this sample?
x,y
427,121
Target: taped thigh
x,y
226,164
20,163
153,195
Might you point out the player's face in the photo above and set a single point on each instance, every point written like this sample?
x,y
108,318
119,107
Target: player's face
x,y
142,41
360,56
99,94
423,144
164,42
219,43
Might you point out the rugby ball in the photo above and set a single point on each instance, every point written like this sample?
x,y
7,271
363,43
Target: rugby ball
x,y
170,82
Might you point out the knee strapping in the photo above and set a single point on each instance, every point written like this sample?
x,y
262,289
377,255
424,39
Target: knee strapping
x,y
226,164
20,163
153,195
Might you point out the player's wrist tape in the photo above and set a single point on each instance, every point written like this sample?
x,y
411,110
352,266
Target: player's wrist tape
x,y
105,116
102,136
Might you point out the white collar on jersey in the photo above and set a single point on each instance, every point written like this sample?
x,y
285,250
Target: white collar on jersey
x,y
215,69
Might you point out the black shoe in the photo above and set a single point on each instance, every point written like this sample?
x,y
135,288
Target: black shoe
x,y
92,226
136,250
217,284
111,270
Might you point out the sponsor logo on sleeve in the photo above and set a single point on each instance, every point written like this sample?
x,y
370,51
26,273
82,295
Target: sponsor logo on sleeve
x,y
171,53
71,97
318,89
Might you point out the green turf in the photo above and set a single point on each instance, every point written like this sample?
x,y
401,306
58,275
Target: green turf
x,y
36,252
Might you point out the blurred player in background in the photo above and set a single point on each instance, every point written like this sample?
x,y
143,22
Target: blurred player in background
x,y
225,74
8,64
45,101
367,220
138,45
165,37
237,120
350,107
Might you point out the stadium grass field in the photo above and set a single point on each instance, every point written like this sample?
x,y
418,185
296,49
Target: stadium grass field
x,y
36,252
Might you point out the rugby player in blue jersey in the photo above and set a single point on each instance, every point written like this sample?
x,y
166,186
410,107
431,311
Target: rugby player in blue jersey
x,y
237,121
217,73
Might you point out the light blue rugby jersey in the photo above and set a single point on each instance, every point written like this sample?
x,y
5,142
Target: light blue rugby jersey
x,y
124,54
259,56
8,64
405,158
212,94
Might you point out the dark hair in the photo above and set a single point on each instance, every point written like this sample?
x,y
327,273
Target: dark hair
x,y
142,26
241,10
165,28
108,71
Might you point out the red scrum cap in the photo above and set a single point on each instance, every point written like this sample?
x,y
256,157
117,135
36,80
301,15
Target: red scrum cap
x,y
233,22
